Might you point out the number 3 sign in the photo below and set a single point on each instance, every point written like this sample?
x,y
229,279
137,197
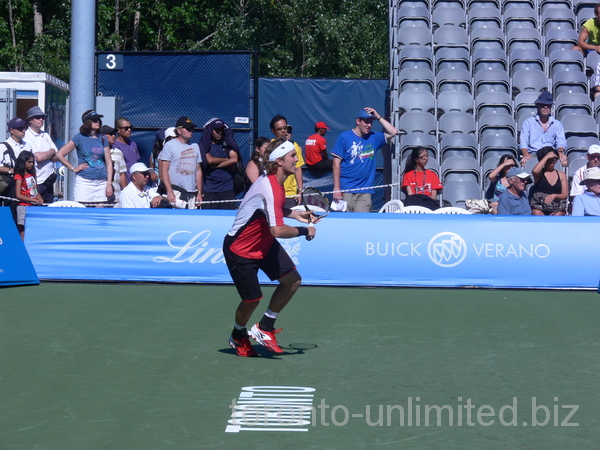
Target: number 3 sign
x,y
110,62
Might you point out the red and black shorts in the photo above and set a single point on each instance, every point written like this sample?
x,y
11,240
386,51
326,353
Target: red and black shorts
x,y
244,271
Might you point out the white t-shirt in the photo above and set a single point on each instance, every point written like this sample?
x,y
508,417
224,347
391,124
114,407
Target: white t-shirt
x,y
132,197
184,160
41,142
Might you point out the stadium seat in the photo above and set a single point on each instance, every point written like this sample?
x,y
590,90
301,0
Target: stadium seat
x,y
416,80
417,122
525,59
454,80
493,103
457,192
456,144
566,60
414,140
557,18
517,16
413,16
592,59
452,58
484,17
454,101
416,101
392,206
432,164
525,107
489,59
491,81
570,81
460,168
561,39
487,38
529,80
580,143
575,165
568,103
456,122
579,125
497,145
435,4
523,38
450,36
443,16
416,57
414,36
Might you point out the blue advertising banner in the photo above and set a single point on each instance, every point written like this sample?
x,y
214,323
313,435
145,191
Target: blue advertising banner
x,y
356,249
15,265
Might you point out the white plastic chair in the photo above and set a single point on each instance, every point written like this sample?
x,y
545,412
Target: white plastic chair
x,y
413,209
451,210
66,204
393,206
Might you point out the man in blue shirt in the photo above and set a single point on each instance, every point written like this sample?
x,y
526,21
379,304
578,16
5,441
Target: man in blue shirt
x,y
543,130
588,203
354,160
513,201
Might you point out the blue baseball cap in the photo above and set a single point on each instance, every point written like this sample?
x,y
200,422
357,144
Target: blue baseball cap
x,y
362,114
518,172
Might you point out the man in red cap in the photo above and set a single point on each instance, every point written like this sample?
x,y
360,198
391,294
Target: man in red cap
x,y
316,149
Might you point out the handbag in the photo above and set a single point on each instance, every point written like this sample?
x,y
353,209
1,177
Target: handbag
x,y
7,180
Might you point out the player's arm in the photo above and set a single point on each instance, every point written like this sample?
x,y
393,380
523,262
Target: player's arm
x,y
301,216
286,232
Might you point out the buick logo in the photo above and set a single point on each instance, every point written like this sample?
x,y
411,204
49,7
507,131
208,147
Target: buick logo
x,y
447,249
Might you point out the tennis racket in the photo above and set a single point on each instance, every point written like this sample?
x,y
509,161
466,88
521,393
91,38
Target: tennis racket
x,y
315,202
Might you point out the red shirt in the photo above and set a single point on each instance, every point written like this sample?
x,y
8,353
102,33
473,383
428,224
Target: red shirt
x,y
28,187
315,146
422,182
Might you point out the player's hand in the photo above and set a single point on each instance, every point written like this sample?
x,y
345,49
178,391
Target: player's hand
x,y
312,231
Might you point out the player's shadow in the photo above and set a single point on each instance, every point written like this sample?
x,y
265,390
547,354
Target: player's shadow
x,y
291,349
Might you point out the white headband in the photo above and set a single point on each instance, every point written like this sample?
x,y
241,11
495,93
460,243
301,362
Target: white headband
x,y
280,151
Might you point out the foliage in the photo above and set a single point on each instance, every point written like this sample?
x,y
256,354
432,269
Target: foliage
x,y
304,38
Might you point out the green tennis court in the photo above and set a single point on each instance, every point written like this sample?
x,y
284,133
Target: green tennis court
x,y
129,366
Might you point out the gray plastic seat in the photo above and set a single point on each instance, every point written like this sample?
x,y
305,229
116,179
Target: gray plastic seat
x,y
413,16
523,38
493,103
417,122
496,124
416,57
442,16
526,59
422,101
459,142
414,140
561,18
455,101
456,122
525,107
575,165
450,36
454,80
567,103
568,81
580,143
489,59
435,4
414,36
462,168
452,58
472,4
584,10
416,79
529,80
517,16
566,60
491,81
579,125
487,38
498,143
484,17
591,61
561,39
561,4
457,192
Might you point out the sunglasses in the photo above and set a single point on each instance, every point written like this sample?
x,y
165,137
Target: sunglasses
x,y
281,129
37,118
22,128
126,128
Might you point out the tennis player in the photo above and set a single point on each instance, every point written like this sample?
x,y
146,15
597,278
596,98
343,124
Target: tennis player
x,y
251,245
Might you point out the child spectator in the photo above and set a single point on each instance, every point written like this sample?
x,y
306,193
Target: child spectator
x,y
420,184
25,187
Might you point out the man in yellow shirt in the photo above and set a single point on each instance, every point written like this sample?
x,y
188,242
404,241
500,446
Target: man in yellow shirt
x,y
293,184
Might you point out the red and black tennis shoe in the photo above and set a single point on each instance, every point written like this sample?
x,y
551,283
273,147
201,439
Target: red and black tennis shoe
x,y
266,338
242,346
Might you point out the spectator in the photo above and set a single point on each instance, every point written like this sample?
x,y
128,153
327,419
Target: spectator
x,y
179,165
161,138
220,155
498,181
125,144
109,134
25,187
92,169
513,201
420,185
596,82
11,148
593,158
44,151
137,194
255,167
588,203
293,184
589,36
551,186
354,160
543,130
316,149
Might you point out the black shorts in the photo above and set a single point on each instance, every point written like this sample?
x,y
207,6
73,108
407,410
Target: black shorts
x,y
244,271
